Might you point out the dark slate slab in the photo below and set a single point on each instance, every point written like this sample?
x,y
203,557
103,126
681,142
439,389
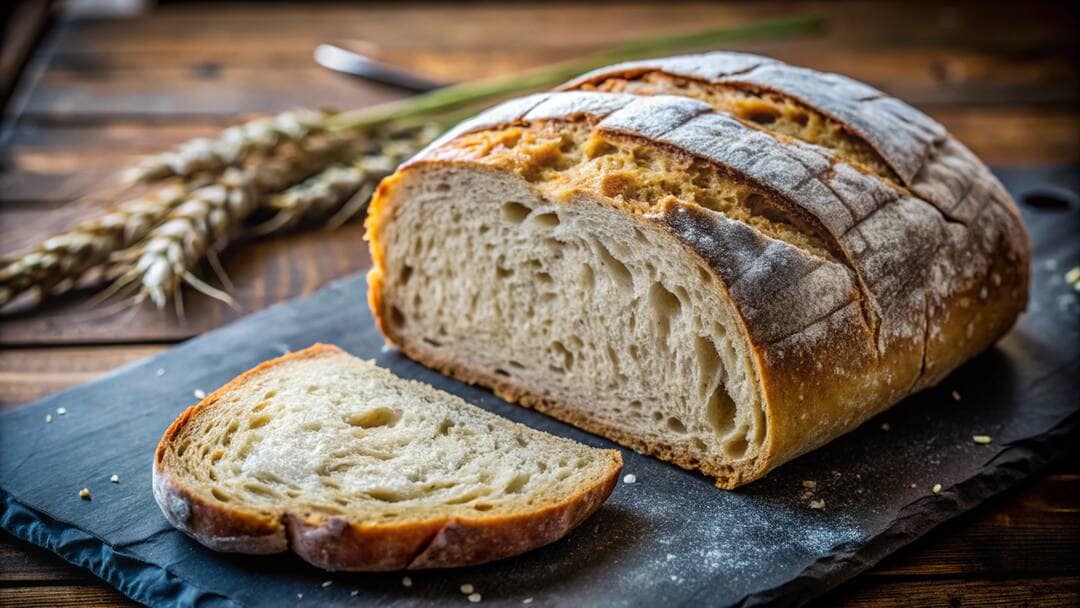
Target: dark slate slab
x,y
670,539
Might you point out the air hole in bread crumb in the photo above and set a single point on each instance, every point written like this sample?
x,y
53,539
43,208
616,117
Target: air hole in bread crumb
x,y
759,111
587,277
708,359
515,364
736,447
431,342
676,425
259,422
270,395
260,407
466,497
483,506
386,495
218,494
561,351
517,483
515,212
502,372
397,318
546,220
657,416
666,306
720,411
444,426
697,443
312,426
260,490
405,274
374,417
618,271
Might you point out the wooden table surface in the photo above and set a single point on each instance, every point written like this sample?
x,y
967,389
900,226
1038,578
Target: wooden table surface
x,y
99,92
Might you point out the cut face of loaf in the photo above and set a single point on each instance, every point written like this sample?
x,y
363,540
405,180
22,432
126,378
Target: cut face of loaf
x,y
355,469
686,283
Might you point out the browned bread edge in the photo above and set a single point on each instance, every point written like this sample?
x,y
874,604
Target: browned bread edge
x,y
335,543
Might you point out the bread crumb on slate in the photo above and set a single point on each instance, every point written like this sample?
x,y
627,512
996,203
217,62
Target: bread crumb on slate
x,y
817,504
474,598
936,489
200,394
885,426
955,396
60,411
1073,277
115,479
84,493
527,600
670,556
327,584
355,592
160,372
809,484
299,596
981,439
631,478
406,582
467,588
914,486
48,418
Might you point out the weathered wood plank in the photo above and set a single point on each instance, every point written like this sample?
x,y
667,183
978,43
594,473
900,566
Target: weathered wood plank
x,y
1034,532
237,28
216,87
27,374
22,562
64,596
1063,592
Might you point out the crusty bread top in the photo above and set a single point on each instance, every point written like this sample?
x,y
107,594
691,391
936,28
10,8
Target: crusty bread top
x,y
326,440
907,258
860,119
902,135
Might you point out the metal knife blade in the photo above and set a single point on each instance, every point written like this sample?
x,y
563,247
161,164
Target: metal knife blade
x,y
350,62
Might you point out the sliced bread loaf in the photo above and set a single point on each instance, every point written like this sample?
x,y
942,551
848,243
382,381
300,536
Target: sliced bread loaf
x,y
693,284
356,469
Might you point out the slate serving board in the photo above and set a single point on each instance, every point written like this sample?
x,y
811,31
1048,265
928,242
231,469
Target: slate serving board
x,y
669,539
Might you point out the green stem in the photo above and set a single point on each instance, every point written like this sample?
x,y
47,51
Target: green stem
x,y
546,77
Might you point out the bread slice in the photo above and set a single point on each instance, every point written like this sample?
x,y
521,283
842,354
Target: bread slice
x,y
356,469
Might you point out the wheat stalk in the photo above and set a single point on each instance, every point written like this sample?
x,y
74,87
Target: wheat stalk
x,y
230,148
63,258
340,192
205,221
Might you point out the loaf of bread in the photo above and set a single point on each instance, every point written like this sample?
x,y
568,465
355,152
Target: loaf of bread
x,y
720,260
355,469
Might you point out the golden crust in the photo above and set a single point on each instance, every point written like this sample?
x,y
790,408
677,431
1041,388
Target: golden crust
x,y
335,543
